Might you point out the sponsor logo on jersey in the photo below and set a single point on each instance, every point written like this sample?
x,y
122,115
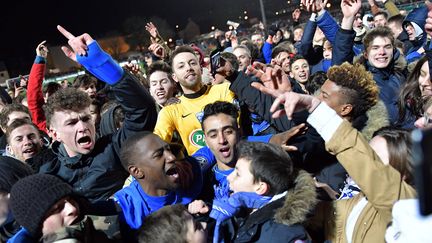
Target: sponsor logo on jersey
x,y
196,138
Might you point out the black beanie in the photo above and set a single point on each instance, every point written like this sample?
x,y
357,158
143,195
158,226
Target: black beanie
x,y
32,197
11,170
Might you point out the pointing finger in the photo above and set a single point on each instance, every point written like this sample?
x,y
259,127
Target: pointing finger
x,y
66,33
42,43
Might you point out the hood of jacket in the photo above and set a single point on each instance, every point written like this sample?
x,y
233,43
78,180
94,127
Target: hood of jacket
x,y
377,118
418,16
299,200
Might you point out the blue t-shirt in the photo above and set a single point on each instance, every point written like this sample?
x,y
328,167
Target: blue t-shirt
x,y
136,204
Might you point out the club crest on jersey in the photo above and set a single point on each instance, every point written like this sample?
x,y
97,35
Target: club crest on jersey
x,y
199,116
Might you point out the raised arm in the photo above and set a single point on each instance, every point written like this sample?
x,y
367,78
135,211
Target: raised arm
x,y
35,98
342,50
305,47
156,38
138,105
327,24
382,185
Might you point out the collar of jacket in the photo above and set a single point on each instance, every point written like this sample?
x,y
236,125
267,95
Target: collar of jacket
x,y
70,162
298,202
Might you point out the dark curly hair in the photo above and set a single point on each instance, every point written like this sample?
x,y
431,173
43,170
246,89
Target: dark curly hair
x,y
178,50
357,86
66,99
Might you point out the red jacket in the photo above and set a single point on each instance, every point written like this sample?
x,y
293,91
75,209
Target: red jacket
x,y
35,98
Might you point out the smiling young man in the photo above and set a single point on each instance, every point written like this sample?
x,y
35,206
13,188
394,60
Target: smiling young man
x,y
380,57
24,140
161,85
185,117
299,71
8,114
92,166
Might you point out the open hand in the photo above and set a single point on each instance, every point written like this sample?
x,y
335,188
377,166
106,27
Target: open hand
x,y
274,81
157,50
18,90
151,28
293,102
350,8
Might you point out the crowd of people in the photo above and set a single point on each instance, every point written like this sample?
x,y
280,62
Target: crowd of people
x,y
297,132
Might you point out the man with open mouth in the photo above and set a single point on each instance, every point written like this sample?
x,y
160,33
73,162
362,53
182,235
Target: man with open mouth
x,y
161,85
92,166
24,140
159,174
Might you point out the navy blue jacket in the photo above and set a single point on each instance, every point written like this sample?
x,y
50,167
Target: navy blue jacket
x,y
305,47
389,80
99,174
279,221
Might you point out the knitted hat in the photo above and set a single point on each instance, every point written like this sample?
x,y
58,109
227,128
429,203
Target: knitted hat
x,y
11,170
32,197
